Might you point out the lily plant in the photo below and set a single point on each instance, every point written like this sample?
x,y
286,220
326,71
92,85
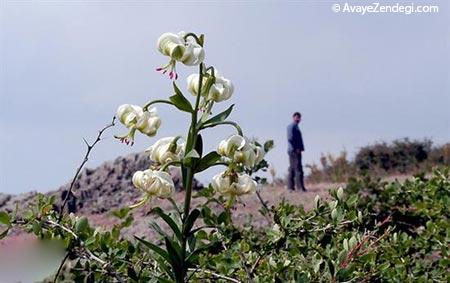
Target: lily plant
x,y
236,153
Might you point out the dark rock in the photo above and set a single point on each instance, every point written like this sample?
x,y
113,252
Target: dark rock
x,y
101,189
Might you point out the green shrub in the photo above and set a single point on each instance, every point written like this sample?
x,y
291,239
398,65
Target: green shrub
x,y
381,159
440,155
400,156
367,232
370,231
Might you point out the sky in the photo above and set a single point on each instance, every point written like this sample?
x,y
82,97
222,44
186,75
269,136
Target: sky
x,y
356,79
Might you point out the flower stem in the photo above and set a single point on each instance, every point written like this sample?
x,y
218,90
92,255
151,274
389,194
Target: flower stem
x,y
171,163
189,146
190,171
146,106
235,125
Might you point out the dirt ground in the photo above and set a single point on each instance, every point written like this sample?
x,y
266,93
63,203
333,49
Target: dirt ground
x,y
246,209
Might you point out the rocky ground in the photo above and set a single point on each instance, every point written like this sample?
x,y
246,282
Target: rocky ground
x,y
108,187
246,209
98,190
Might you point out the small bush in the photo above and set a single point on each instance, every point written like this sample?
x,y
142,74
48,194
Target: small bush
x,y
401,156
440,155
333,169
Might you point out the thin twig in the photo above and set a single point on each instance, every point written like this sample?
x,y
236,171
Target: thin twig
x,y
357,250
263,203
252,270
85,159
220,276
194,270
61,266
378,239
56,224
249,273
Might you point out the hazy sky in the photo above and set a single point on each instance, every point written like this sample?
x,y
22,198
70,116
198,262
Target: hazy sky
x,y
356,79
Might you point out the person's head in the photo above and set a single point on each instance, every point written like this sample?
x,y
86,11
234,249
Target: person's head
x,y
297,117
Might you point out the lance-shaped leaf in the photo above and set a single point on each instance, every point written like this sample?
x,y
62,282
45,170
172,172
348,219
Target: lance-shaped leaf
x,y
158,229
154,248
159,251
208,160
191,220
175,258
192,258
180,101
219,117
169,222
192,241
199,145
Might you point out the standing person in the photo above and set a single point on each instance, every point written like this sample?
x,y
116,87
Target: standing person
x,y
295,149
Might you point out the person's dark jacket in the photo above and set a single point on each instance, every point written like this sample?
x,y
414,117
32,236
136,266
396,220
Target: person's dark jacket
x,y
295,140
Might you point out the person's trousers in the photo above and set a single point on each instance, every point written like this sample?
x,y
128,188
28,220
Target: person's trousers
x,y
295,176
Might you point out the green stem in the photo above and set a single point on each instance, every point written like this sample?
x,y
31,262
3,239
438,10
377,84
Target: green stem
x,y
207,112
146,106
190,172
173,163
193,138
238,129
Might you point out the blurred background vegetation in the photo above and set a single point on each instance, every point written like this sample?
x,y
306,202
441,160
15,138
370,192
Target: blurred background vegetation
x,y
402,156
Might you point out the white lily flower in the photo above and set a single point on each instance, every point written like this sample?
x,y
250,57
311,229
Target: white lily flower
x,y
220,90
135,118
240,150
149,122
192,84
128,114
175,46
165,150
246,156
154,183
229,146
239,184
255,154
171,45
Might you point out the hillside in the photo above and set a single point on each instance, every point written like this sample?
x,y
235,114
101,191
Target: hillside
x,y
108,187
100,189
